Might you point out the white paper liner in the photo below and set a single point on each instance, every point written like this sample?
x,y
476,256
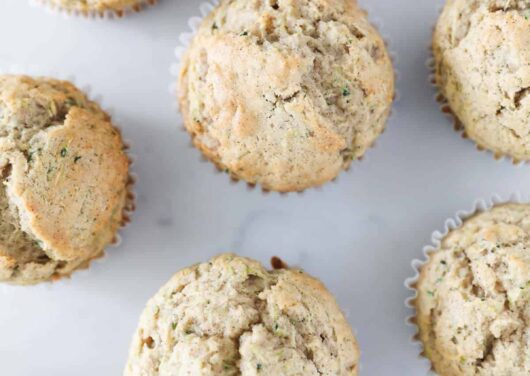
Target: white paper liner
x,y
130,204
185,39
450,224
106,14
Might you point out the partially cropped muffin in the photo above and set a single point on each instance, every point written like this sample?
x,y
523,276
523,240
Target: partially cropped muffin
x,y
83,6
286,93
231,316
473,303
64,179
482,56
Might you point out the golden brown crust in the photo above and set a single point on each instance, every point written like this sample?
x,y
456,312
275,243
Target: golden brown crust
x,y
231,316
65,176
285,94
74,187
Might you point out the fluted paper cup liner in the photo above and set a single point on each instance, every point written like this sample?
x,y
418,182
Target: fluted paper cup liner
x,y
450,224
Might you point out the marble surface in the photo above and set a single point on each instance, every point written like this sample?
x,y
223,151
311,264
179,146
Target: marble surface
x,y
358,234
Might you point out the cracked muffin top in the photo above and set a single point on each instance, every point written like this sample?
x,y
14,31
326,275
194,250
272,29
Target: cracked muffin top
x,y
231,316
117,6
482,56
473,303
286,93
64,179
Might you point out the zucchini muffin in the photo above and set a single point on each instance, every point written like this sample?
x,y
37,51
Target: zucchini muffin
x,y
98,6
65,179
231,316
482,59
286,93
473,303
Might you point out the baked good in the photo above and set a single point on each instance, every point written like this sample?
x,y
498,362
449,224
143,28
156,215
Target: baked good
x,y
65,178
230,316
286,93
482,59
473,303
99,6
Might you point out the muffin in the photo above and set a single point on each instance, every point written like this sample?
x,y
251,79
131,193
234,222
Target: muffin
x,y
98,6
285,93
65,179
231,316
482,62
473,296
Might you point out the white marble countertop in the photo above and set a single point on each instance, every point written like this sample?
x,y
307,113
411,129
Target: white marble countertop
x,y
358,234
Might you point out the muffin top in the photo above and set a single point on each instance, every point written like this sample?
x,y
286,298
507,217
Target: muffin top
x,y
286,93
95,5
64,173
473,304
482,54
231,316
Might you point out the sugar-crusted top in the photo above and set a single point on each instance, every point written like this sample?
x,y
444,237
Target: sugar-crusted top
x,y
482,54
473,304
286,93
64,173
231,316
